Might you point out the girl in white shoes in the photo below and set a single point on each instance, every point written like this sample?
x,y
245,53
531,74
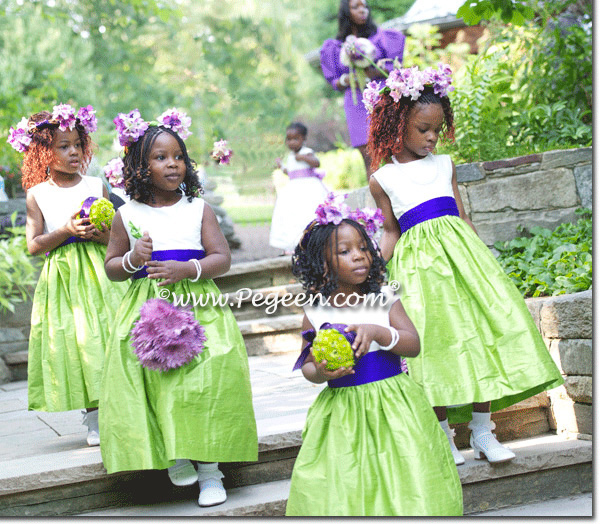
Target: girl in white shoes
x,y
480,349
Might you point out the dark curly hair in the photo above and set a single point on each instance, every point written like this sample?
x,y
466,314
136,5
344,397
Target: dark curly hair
x,y
308,260
137,175
39,155
345,23
389,121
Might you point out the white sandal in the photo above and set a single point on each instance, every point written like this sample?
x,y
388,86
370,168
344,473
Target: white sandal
x,y
90,419
450,433
484,442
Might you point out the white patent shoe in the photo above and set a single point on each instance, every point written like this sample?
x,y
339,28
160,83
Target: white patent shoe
x,y
90,419
183,473
485,444
212,492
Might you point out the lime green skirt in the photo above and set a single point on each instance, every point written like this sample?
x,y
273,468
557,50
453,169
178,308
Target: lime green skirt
x,y
200,411
479,342
73,309
374,450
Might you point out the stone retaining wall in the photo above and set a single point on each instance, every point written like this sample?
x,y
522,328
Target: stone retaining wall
x,y
565,323
534,190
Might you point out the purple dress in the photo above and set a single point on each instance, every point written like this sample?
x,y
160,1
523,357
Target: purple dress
x,y
389,44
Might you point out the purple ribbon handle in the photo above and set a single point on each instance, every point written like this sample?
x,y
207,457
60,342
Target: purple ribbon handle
x,y
310,334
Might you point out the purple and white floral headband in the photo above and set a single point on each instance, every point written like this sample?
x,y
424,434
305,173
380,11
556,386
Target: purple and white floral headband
x,y
333,210
409,82
64,115
131,126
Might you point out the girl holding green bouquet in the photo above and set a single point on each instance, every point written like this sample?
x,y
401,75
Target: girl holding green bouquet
x,y
372,445
74,302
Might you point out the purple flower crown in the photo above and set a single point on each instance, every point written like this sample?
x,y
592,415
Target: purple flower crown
x,y
64,115
409,82
113,171
221,152
131,126
333,210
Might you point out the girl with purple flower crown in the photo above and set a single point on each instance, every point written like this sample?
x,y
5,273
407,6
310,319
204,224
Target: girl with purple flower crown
x,y
159,410
363,451
74,302
480,349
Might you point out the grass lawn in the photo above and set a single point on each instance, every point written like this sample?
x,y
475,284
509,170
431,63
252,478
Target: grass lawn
x,y
250,213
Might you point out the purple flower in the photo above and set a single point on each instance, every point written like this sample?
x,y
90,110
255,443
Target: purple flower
x,y
87,118
176,120
370,219
19,137
64,115
114,172
221,152
371,95
333,210
130,127
166,337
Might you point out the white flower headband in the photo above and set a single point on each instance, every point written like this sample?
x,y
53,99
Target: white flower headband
x,y
64,115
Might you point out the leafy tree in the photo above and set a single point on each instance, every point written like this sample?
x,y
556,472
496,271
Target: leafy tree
x,y
509,11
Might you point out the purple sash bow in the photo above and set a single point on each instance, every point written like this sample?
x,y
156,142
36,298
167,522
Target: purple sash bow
x,y
434,208
182,255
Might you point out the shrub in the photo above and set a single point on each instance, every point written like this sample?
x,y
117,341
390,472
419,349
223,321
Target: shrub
x,y
548,262
18,270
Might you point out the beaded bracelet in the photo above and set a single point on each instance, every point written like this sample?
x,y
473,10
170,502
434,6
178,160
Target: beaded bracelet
x,y
198,270
395,339
126,260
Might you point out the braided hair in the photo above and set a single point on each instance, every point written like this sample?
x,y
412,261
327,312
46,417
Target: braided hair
x,y
310,255
389,123
39,155
136,173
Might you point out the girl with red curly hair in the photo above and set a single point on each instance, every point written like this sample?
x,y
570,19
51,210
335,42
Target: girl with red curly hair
x,y
74,302
480,349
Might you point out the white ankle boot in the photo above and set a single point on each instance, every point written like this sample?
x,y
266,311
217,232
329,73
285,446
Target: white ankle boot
x,y
458,458
90,419
484,442
182,473
212,491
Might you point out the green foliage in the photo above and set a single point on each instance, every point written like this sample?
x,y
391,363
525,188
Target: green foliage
x,y
529,89
550,262
509,11
18,270
344,168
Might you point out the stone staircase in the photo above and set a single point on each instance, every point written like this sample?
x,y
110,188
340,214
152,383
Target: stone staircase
x,y
69,479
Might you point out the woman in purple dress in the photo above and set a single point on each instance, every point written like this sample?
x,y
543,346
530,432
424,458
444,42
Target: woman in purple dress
x,y
354,18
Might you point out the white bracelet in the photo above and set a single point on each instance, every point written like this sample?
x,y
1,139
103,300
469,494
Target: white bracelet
x,y
126,260
395,339
198,270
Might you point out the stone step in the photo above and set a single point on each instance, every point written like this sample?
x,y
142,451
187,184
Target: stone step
x,y
270,335
257,274
546,467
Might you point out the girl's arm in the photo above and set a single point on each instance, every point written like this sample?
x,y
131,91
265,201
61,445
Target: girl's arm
x,y
459,203
118,245
216,262
315,371
408,341
391,229
310,158
39,242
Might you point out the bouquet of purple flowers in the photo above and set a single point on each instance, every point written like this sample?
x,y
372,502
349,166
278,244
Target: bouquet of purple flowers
x,y
166,337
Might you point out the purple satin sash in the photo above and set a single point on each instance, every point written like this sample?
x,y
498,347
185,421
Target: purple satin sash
x,y
70,240
434,208
182,255
374,366
306,173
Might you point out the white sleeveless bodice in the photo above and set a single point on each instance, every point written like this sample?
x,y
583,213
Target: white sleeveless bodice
x,y
291,164
59,203
408,185
377,312
172,227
